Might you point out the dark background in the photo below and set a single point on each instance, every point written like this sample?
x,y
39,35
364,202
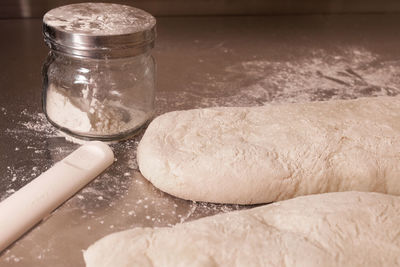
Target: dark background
x,y
37,8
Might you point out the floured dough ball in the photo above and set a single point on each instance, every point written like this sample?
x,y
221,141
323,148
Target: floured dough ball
x,y
335,229
275,152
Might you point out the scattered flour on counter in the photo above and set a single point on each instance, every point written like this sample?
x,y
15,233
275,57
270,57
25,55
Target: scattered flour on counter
x,y
90,116
350,72
78,140
36,145
15,259
35,124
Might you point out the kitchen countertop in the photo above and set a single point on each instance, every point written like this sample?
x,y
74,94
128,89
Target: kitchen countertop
x,y
202,62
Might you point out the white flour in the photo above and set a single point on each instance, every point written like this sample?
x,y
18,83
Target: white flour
x,y
85,116
350,72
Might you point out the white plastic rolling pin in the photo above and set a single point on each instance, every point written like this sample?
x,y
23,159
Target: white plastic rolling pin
x,y
26,207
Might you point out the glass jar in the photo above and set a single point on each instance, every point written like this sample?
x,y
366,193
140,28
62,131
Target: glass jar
x,y
99,77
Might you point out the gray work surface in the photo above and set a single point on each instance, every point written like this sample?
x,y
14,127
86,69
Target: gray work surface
x,y
202,62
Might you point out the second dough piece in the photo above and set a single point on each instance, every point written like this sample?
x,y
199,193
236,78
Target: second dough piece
x,y
335,229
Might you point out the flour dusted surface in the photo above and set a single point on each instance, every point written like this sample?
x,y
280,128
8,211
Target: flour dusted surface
x,y
264,154
335,229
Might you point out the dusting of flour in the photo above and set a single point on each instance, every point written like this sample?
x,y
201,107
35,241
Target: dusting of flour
x,y
350,73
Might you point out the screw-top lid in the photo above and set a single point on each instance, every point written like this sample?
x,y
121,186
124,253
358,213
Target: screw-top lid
x,y
99,30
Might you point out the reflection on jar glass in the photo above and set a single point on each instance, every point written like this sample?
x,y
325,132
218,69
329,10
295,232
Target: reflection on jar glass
x,y
99,79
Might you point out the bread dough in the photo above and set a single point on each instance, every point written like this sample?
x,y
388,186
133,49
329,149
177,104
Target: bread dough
x,y
334,229
274,152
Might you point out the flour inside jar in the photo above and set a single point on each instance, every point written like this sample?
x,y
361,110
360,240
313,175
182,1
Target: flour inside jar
x,y
91,116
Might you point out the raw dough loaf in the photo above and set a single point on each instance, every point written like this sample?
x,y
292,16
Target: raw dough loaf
x,y
275,152
334,229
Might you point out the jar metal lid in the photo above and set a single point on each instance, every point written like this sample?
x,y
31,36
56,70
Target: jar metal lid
x,y
99,30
